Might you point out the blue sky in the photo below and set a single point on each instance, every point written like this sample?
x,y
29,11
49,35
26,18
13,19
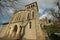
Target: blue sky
x,y
7,7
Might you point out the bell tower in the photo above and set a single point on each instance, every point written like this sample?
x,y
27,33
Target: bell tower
x,y
32,5
33,30
33,8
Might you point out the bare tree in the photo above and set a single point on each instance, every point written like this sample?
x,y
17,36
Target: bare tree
x,y
56,14
58,4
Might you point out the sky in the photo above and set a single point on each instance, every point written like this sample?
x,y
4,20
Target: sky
x,y
8,7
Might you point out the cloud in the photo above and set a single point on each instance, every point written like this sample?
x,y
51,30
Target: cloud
x,y
47,3
47,15
44,15
9,6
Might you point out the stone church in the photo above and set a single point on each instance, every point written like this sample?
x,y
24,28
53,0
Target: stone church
x,y
24,25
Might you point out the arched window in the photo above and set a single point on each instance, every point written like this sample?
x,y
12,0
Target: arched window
x,y
19,18
33,5
28,16
29,6
49,21
32,14
30,25
15,28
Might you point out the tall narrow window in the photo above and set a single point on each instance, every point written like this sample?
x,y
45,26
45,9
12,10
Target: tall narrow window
x,y
28,17
27,7
33,5
49,21
30,24
19,17
15,28
32,14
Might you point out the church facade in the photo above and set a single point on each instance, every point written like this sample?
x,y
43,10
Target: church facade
x,y
25,24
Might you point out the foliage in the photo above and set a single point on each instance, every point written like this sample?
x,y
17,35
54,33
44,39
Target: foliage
x,y
51,29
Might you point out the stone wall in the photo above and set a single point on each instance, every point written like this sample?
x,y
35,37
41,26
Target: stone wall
x,y
25,24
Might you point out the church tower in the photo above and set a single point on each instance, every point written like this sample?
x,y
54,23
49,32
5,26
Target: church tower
x,y
33,30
